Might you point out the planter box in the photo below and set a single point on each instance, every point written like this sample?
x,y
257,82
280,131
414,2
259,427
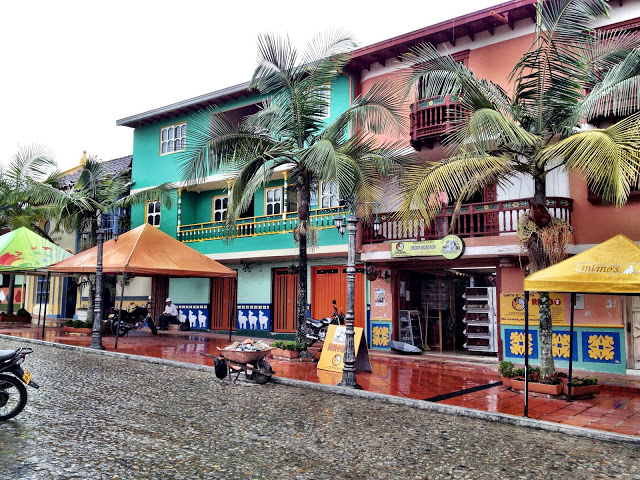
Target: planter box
x,y
85,331
538,387
279,352
8,319
506,381
587,390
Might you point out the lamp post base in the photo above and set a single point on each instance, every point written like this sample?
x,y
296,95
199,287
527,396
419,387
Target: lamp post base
x,y
96,342
355,386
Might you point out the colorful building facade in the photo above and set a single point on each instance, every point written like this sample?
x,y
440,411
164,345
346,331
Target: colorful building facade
x,y
466,304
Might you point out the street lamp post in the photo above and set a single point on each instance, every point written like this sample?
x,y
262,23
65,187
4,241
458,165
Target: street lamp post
x,y
349,370
96,334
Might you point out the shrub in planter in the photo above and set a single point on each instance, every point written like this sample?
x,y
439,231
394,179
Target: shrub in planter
x,y
23,313
581,387
505,370
281,348
549,385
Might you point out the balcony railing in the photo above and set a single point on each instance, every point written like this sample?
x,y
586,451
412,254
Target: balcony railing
x,y
435,117
255,226
474,220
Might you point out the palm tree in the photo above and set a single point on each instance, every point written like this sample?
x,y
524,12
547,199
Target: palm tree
x,y
95,193
27,169
570,75
289,133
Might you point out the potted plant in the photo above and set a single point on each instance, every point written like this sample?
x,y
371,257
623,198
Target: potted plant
x,y
506,372
549,385
78,326
283,348
582,387
21,316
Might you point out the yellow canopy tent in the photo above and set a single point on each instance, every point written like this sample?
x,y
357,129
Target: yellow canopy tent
x,y
610,267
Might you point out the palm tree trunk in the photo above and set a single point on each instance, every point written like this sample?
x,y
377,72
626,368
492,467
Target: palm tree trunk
x,y
539,260
10,294
303,217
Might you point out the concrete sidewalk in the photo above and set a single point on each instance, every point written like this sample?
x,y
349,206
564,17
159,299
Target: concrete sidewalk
x,y
469,382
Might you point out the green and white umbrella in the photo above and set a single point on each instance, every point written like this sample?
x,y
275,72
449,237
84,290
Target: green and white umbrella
x,y
22,250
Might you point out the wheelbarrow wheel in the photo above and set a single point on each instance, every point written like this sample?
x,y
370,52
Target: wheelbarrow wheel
x,y
263,373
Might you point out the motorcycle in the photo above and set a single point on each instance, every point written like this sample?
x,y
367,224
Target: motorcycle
x,y
13,394
131,320
317,329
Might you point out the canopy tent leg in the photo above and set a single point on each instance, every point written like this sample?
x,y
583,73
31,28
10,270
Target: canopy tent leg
x,y
39,299
526,353
124,279
44,320
573,302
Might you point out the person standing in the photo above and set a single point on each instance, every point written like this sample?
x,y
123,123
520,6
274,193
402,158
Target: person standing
x,y
170,313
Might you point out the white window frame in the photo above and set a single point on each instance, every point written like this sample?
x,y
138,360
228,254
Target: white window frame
x,y
171,136
273,203
327,191
224,199
154,215
326,91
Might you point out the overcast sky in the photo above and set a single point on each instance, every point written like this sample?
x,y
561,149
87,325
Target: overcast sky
x,y
71,69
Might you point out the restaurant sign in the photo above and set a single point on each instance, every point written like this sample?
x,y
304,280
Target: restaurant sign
x,y
450,247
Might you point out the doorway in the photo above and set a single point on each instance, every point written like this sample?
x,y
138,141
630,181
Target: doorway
x,y
440,298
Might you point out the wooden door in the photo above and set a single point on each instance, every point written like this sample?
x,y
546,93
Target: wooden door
x,y
330,283
159,293
224,296
285,295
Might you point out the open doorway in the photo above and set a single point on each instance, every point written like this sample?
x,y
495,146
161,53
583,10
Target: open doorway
x,y
456,308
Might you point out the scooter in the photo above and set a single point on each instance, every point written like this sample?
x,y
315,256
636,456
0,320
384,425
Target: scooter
x,y
317,329
13,394
131,320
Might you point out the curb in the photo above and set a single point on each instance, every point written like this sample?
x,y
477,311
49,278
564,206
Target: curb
x,y
380,397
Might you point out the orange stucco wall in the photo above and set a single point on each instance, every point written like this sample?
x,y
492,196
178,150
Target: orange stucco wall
x,y
495,62
597,223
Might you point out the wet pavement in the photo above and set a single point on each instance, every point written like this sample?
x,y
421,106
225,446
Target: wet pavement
x,y
99,416
445,380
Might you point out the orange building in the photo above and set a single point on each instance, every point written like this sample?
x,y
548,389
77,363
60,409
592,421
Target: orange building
x,y
473,304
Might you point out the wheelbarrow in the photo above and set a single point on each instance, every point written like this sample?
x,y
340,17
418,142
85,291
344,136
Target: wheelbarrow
x,y
252,363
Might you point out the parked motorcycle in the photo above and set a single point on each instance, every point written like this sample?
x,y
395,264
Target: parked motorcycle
x,y
317,329
133,319
13,394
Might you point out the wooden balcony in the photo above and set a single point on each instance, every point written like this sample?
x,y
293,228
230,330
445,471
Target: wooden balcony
x,y
256,226
434,118
474,220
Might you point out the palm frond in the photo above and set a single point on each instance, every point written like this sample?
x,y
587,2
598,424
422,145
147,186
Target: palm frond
x,y
420,185
608,159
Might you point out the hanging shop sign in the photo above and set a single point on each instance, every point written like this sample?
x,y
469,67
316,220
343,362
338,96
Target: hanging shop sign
x,y
450,247
332,356
512,308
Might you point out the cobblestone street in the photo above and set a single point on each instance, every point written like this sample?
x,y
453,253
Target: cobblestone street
x,y
106,417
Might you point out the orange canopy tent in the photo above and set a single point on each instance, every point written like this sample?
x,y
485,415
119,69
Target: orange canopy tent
x,y
145,251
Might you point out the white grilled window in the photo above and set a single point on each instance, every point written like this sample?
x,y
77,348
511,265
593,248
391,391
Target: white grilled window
x,y
219,207
273,201
173,138
329,194
153,213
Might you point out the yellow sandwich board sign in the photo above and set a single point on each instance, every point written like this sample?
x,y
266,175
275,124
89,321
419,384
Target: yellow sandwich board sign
x,y
332,356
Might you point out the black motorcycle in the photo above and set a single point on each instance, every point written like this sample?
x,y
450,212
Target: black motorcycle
x,y
13,393
126,320
317,329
